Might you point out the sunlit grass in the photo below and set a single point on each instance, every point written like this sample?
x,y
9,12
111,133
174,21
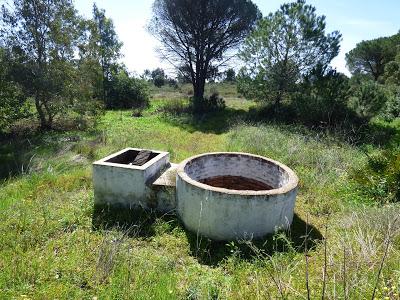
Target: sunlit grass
x,y
50,248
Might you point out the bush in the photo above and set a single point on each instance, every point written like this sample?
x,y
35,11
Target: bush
x,y
214,102
158,77
322,98
252,88
209,103
13,104
128,92
175,107
173,83
159,81
368,98
380,177
392,107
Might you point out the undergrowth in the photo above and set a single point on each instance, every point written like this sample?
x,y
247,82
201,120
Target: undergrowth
x,y
343,244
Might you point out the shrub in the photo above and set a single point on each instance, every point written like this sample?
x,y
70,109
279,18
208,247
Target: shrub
x,y
380,177
172,83
368,98
214,102
322,98
158,77
209,103
392,107
175,107
13,101
13,104
128,92
230,75
252,88
159,81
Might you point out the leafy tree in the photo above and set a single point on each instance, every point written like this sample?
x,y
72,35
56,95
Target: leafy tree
x,y
230,75
392,108
43,37
183,75
146,75
106,47
392,71
371,57
127,91
12,99
285,46
172,82
368,98
158,77
322,98
197,36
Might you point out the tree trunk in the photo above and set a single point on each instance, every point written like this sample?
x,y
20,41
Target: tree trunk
x,y
45,122
198,95
41,114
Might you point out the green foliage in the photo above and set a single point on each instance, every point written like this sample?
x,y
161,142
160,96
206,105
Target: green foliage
x,y
128,92
322,98
371,57
158,77
230,75
392,71
285,46
13,104
392,109
252,88
51,248
213,102
197,36
380,177
159,81
368,98
104,46
43,38
173,83
208,103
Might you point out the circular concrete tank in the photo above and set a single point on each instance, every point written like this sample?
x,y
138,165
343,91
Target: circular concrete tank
x,y
229,195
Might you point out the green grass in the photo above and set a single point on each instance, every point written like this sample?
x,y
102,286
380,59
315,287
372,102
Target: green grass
x,y
55,245
226,90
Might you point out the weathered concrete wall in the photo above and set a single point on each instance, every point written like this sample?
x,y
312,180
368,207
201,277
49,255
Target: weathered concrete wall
x,y
126,185
237,164
164,189
223,214
218,213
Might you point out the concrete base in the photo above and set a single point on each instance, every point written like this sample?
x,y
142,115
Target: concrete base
x,y
164,190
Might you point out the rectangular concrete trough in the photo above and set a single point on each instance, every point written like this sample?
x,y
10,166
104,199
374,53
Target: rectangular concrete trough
x,y
118,181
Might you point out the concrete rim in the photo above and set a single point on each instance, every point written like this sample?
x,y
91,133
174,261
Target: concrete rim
x,y
289,186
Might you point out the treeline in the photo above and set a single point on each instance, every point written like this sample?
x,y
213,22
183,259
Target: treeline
x,y
54,62
286,57
287,67
159,78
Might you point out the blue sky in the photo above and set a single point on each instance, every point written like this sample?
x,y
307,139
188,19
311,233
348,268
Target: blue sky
x,y
357,20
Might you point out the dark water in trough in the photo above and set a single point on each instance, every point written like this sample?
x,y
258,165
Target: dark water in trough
x,y
236,183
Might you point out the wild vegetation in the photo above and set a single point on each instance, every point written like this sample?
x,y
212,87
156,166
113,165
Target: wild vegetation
x,y
341,136
203,43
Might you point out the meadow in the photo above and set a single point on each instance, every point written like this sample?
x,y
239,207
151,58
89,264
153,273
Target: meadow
x,y
55,245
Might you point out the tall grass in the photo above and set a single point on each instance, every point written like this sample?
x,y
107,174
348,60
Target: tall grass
x,y
51,247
